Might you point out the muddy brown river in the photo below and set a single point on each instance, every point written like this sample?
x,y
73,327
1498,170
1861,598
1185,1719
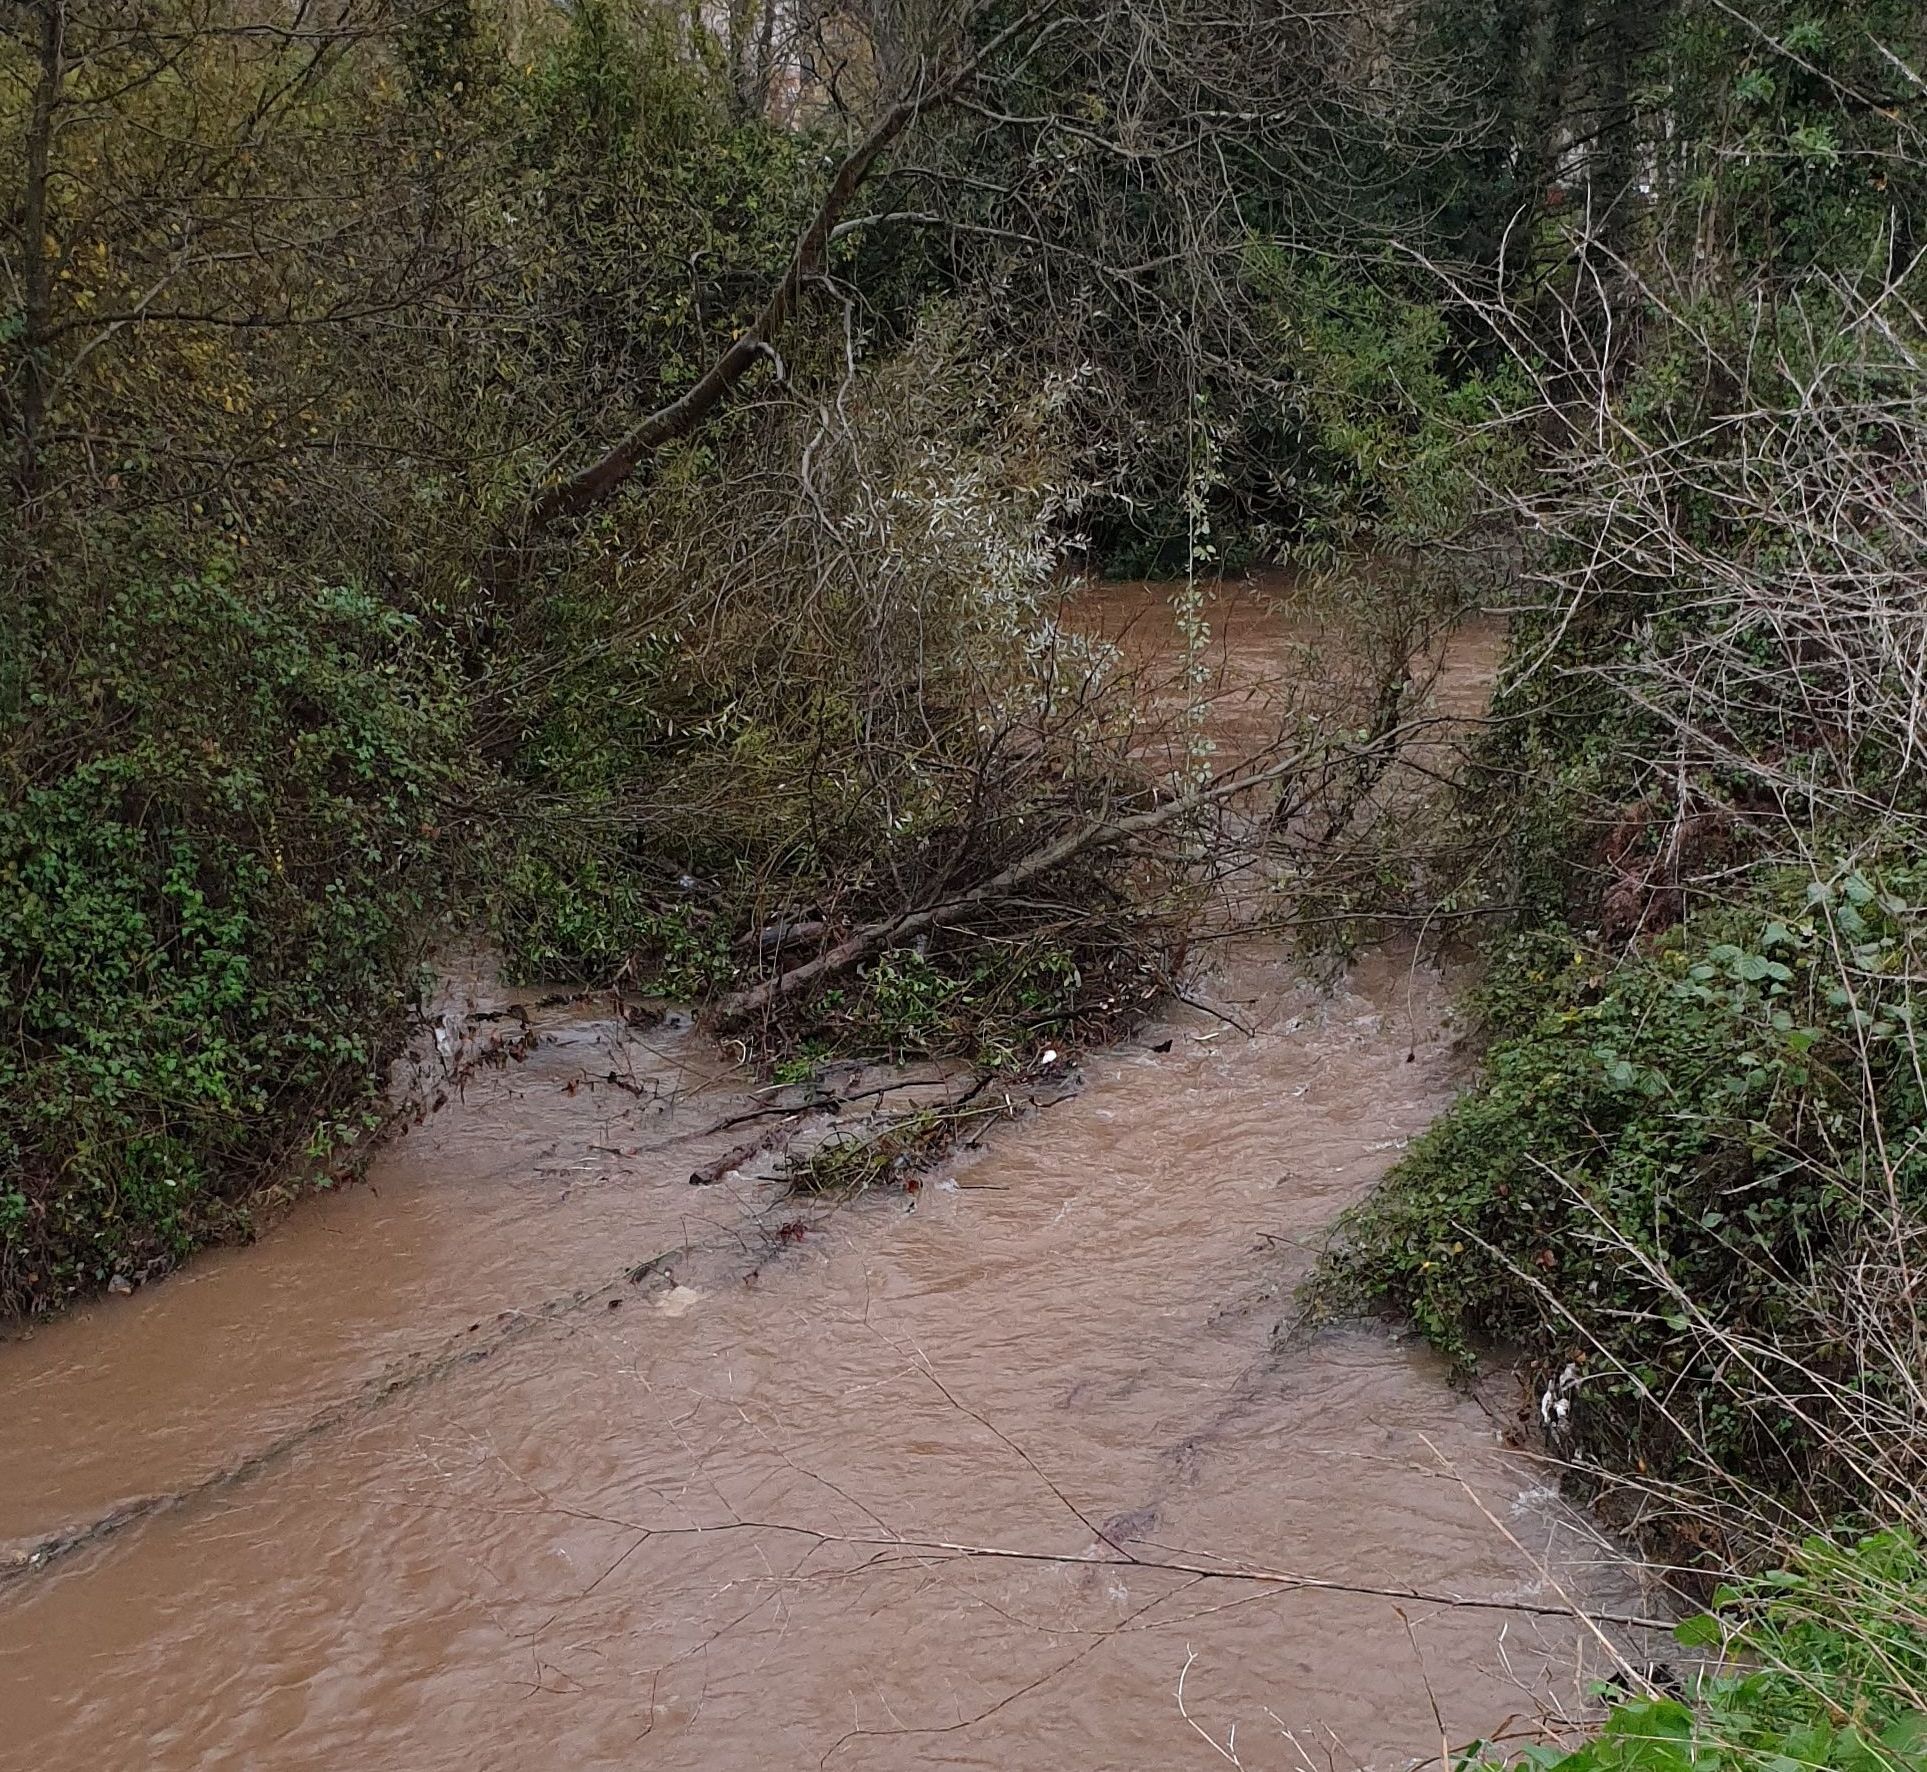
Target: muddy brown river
x,y
528,1454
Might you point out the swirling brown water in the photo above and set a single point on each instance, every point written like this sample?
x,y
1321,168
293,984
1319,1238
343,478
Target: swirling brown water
x,y
831,1496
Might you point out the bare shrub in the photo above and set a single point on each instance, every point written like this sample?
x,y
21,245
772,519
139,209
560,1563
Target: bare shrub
x,y
1701,1193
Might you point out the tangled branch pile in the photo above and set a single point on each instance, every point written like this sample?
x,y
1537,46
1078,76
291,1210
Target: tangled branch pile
x,y
799,717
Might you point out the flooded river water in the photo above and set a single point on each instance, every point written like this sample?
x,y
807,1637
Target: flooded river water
x,y
528,1454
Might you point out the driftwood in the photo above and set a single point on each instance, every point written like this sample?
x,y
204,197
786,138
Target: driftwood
x,y
873,938
781,934
822,1101
772,1140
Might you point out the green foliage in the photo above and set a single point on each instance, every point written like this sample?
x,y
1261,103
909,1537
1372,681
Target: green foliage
x,y
1823,1665
1776,136
648,223
217,858
450,52
571,910
849,1165
1662,1154
1369,429
1399,440
1688,1182
1785,125
994,1002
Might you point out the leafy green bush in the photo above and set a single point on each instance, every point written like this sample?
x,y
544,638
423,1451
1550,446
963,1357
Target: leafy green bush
x,y
1370,431
1396,441
993,1001
1672,1156
570,910
217,859
1822,1665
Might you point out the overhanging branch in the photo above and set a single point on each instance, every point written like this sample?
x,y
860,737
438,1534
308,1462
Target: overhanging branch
x,y
590,486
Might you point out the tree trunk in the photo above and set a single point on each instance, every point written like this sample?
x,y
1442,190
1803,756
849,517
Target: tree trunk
x,y
37,270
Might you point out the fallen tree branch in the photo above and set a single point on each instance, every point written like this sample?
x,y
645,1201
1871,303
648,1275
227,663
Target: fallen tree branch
x,y
1287,1579
873,938
831,1102
1179,1563
773,1140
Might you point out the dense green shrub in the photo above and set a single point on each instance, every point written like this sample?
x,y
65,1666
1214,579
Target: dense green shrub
x,y
218,856
1670,1154
1363,427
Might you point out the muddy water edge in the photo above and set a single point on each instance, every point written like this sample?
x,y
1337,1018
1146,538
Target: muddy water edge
x,y
530,1454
